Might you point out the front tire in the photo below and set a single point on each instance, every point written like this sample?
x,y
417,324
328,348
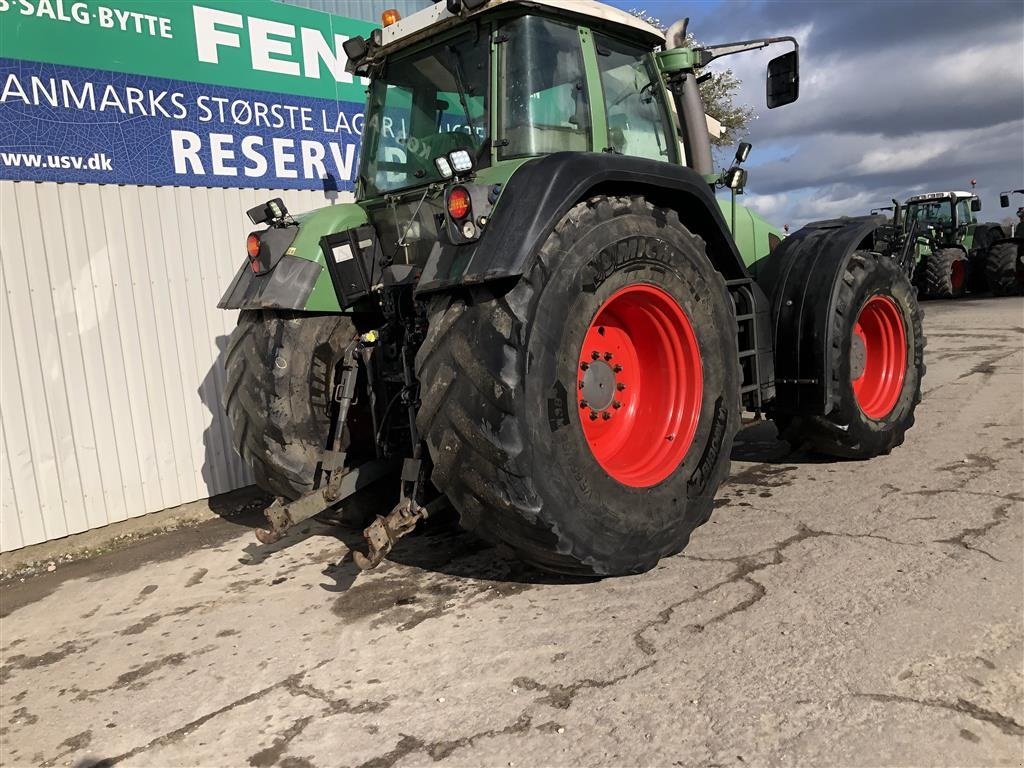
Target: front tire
x,y
877,365
945,274
512,445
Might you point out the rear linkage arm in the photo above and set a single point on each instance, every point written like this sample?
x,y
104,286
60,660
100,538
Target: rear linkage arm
x,y
384,531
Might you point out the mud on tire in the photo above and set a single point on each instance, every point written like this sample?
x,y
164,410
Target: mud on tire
x,y
280,372
847,431
499,408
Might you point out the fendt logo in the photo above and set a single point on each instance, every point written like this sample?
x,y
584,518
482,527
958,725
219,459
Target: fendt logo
x,y
274,46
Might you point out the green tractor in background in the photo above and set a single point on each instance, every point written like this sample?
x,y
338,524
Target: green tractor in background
x,y
1004,261
948,245
536,310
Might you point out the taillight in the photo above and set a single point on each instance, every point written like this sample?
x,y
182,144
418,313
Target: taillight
x,y
252,247
458,203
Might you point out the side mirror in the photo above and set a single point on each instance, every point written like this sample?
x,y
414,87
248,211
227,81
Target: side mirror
x,y
1004,200
783,80
743,152
975,205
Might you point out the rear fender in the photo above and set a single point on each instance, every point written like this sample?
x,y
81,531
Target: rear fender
x,y
801,278
299,278
542,191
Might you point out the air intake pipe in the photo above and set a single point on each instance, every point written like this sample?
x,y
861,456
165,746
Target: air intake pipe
x,y
690,107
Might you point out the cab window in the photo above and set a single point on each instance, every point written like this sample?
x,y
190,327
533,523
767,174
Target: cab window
x,y
544,105
425,104
632,99
963,212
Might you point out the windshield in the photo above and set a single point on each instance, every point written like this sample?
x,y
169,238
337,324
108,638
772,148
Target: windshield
x,y
932,212
421,106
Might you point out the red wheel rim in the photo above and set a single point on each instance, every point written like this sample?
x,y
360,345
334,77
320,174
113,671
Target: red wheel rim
x,y
958,274
878,357
639,385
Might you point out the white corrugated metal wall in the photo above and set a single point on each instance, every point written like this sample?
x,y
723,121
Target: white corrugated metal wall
x,y
111,350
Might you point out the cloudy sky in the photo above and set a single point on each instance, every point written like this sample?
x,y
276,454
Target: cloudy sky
x,y
896,98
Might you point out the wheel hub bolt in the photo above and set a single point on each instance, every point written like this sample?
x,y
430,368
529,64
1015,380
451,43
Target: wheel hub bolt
x,y
620,386
595,355
616,404
584,366
584,404
617,368
607,355
593,415
605,415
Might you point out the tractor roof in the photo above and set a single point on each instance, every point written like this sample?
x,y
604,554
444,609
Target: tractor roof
x,y
437,18
940,196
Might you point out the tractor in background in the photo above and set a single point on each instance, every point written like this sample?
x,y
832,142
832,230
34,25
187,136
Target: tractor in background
x,y
947,243
535,309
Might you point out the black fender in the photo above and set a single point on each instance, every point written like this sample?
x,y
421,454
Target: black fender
x,y
542,191
801,278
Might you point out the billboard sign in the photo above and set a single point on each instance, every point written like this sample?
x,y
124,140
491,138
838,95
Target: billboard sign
x,y
206,93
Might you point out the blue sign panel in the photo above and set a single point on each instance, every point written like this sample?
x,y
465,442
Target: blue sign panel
x,y
63,123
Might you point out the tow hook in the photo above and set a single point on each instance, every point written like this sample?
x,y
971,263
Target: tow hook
x,y
383,532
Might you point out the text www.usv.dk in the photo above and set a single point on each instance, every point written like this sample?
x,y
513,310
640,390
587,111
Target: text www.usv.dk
x,y
98,161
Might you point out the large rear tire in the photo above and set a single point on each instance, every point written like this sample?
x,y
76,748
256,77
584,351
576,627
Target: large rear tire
x,y
587,488
984,236
1003,269
946,272
877,365
280,376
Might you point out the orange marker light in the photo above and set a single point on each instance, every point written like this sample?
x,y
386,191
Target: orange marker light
x,y
252,246
389,17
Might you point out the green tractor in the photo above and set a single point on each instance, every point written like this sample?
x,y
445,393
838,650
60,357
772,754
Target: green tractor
x,y
949,246
536,311
1004,259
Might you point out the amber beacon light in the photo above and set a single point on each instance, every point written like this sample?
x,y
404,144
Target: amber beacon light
x,y
389,17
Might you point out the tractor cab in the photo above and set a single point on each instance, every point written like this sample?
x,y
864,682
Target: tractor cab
x,y
949,214
471,91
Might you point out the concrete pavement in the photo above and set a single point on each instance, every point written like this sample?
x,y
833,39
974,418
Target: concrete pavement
x,y
831,613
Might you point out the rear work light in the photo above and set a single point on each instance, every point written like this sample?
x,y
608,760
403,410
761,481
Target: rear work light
x,y
252,247
458,203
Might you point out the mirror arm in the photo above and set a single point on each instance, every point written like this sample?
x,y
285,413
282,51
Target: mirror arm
x,y
710,53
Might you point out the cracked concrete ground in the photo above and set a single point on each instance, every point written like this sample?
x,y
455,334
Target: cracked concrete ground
x,y
832,613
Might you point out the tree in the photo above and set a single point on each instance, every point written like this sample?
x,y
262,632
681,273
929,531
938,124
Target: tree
x,y
718,90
